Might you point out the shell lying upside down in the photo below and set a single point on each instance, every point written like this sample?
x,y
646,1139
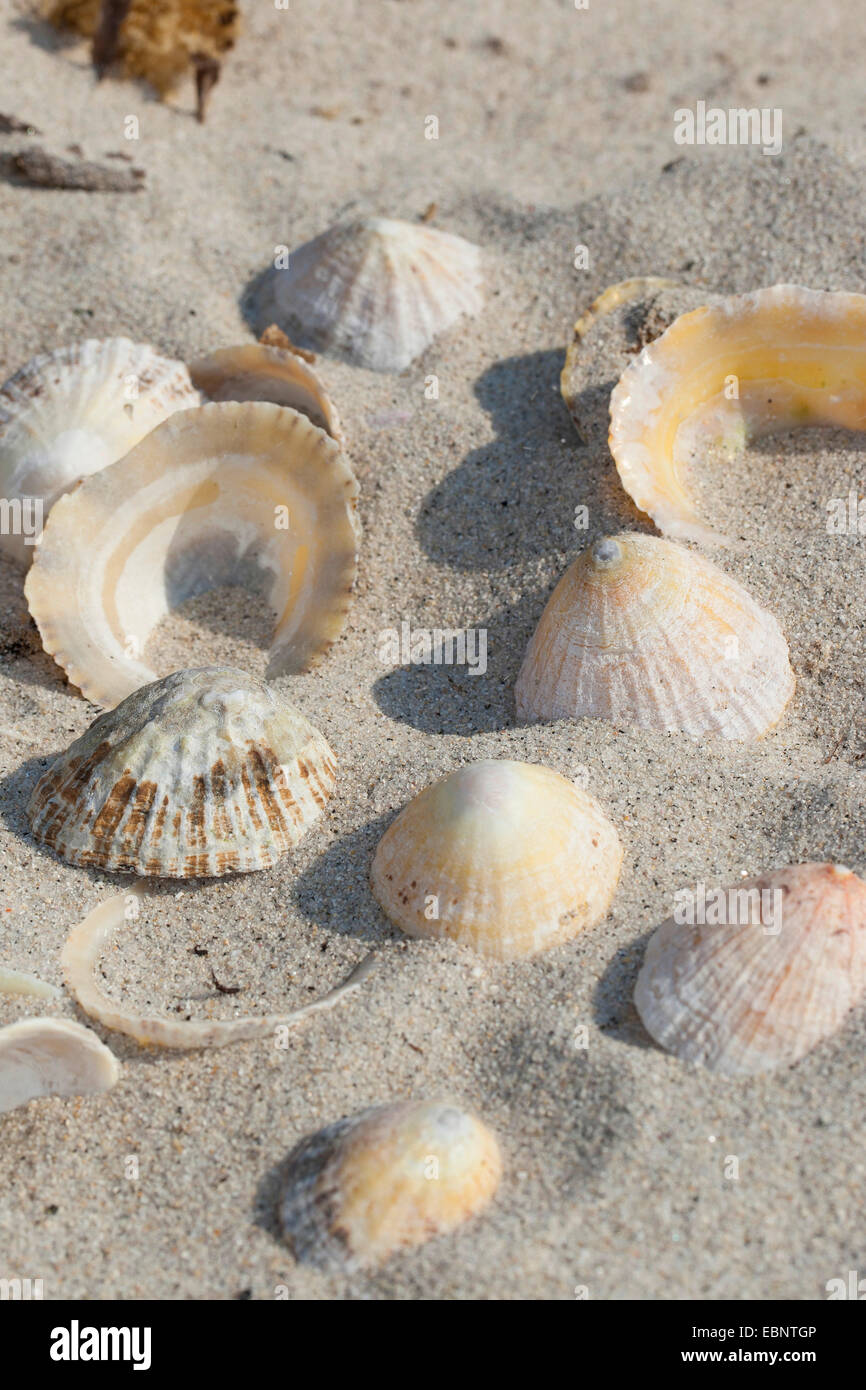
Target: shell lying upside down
x,y
69,413
376,291
205,772
776,974
505,857
391,1177
250,494
52,1057
730,371
644,632
259,372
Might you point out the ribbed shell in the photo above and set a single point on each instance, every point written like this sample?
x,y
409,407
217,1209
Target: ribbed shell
x,y
377,291
198,504
798,357
504,857
257,372
206,772
52,1057
741,999
643,632
69,413
388,1178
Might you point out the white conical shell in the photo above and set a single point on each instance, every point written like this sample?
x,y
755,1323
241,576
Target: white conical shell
x,y
760,988
377,291
259,372
797,356
69,413
388,1178
52,1057
504,857
226,494
203,773
643,632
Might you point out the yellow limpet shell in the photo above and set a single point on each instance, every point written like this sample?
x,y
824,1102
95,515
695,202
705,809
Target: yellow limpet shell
x,y
388,1178
230,493
52,1057
507,858
775,968
740,367
260,372
644,632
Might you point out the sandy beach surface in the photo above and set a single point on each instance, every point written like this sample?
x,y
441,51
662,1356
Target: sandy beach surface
x,y
555,130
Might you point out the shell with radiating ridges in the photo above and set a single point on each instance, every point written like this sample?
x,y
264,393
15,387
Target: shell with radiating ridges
x,y
230,493
388,1178
761,989
641,631
507,858
52,1057
206,772
376,291
728,372
69,413
260,372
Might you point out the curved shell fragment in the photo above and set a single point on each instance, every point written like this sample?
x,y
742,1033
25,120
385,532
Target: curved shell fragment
x,y
20,982
259,372
52,1057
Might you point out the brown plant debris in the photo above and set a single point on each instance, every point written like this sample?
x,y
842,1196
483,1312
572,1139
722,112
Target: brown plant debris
x,y
275,337
44,170
10,125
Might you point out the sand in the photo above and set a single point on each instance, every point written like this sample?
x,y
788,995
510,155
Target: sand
x,y
615,1153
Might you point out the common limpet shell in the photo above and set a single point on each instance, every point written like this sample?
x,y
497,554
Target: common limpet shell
x,y
206,772
760,991
505,857
641,631
250,493
257,372
69,413
52,1057
390,1177
377,291
729,371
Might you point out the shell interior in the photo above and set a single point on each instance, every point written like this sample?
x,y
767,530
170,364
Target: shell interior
x,y
257,372
52,1057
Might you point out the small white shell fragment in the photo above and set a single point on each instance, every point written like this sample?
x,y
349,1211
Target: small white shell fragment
x,y
797,357
644,632
504,857
377,291
204,773
762,986
388,1178
20,982
52,1057
260,372
69,413
80,957
232,493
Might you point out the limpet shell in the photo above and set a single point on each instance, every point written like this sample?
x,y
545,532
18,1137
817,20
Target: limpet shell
x,y
206,772
377,291
249,493
505,857
727,372
257,372
390,1177
69,413
643,632
761,992
52,1057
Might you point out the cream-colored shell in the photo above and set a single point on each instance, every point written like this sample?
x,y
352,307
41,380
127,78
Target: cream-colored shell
x,y
763,986
69,413
504,857
376,291
729,371
258,372
52,1057
218,495
389,1178
643,632
206,772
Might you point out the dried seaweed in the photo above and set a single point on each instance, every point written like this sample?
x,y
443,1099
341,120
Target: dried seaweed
x,y
44,170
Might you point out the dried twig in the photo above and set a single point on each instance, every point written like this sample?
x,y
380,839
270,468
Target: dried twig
x,y
47,171
10,125
207,75
106,40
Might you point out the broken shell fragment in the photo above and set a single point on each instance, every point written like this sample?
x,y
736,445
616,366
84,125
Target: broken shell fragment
x,y
250,494
52,1057
72,412
80,957
728,372
504,857
376,291
206,772
20,982
256,372
782,963
383,1180
643,632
